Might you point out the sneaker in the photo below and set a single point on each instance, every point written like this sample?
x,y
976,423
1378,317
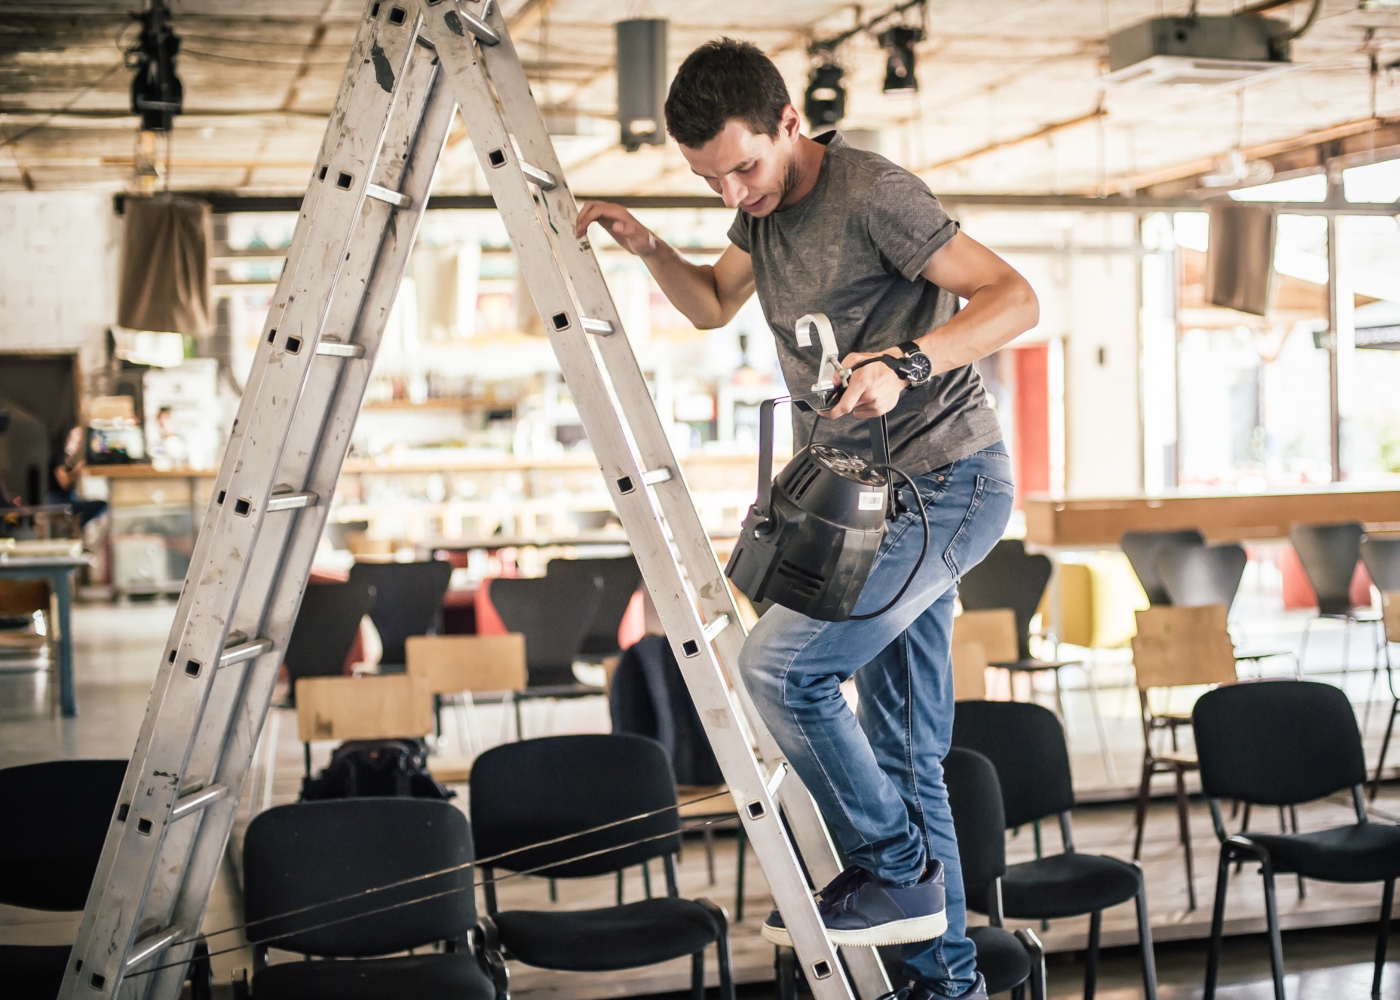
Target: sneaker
x,y
921,991
863,911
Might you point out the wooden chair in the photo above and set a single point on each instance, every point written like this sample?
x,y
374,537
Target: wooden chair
x,y
1390,605
979,639
373,707
1176,647
460,667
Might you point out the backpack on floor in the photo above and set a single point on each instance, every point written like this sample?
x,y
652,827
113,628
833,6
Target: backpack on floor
x,y
375,768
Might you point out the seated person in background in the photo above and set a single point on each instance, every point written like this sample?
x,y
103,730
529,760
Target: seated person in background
x,y
168,448
64,471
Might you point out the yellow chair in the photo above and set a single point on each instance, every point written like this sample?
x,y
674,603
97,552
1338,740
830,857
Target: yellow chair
x,y
372,707
458,668
1176,647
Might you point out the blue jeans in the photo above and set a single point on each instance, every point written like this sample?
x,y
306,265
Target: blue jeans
x,y
878,774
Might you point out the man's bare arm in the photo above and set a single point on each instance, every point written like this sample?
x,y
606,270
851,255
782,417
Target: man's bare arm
x,y
706,294
1000,307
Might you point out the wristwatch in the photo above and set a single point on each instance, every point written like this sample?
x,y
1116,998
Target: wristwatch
x,y
915,366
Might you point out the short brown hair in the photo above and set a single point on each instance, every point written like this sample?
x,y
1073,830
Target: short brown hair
x,y
724,79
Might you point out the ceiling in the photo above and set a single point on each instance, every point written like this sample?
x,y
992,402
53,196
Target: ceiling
x,y
1008,103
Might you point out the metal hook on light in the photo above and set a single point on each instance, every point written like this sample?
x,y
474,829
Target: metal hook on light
x,y
830,373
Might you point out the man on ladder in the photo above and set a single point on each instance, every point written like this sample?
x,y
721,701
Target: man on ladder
x,y
824,227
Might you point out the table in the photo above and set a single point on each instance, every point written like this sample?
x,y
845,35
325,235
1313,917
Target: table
x,y
1099,522
58,571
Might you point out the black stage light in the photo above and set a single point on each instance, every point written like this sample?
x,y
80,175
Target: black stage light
x,y
156,93
641,82
825,100
899,42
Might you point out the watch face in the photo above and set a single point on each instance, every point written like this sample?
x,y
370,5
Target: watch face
x,y
919,368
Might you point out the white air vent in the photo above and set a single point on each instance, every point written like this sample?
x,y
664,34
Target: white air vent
x,y
1197,51
1160,71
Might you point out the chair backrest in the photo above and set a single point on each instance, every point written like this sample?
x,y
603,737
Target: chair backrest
x,y
1027,746
994,630
536,790
452,663
1177,646
299,855
407,599
1277,742
1141,548
1329,553
979,821
553,613
621,578
377,707
326,627
1008,578
1382,559
59,813
969,671
1196,575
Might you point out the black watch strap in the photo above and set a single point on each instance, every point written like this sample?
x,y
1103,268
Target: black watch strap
x,y
911,347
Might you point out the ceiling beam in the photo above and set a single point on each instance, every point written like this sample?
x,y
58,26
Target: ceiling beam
x,y
1041,133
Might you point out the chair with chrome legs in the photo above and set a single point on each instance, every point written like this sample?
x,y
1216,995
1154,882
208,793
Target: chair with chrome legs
x,y
1284,743
1382,559
1027,746
1329,554
1007,961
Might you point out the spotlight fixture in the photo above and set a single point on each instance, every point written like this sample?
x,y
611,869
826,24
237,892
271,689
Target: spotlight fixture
x,y
899,42
156,93
641,82
825,100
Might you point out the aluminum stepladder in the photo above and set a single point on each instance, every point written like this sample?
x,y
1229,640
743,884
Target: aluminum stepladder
x,y
413,63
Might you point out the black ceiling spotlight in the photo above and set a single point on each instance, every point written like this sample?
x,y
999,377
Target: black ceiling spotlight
x,y
641,82
825,101
156,93
899,42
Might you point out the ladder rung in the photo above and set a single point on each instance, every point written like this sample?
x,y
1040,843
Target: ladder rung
x,y
776,778
543,178
653,476
383,194
245,651
194,801
484,33
716,627
151,944
335,349
290,501
599,326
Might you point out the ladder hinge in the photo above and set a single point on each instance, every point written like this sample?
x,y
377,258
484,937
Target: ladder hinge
x,y
653,476
195,801
716,627
599,326
290,501
380,193
335,349
151,944
245,651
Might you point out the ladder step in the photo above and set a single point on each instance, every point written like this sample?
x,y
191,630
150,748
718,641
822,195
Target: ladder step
x,y
485,34
598,326
195,801
543,178
245,651
151,944
383,194
290,501
776,778
335,349
715,627
653,476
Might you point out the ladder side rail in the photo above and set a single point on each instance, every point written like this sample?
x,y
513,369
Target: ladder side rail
x,y
278,599
697,553
636,506
175,711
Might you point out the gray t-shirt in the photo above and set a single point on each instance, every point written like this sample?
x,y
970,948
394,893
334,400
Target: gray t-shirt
x,y
854,249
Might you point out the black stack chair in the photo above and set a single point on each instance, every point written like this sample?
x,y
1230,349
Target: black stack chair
x,y
1007,961
1027,747
538,790
1382,559
1195,575
1283,743
1142,549
1329,554
407,601
49,851
325,629
621,578
305,859
554,614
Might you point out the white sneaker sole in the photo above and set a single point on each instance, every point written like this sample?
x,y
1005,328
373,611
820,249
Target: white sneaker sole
x,y
910,931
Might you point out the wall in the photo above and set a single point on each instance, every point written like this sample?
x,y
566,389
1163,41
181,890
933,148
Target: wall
x,y
59,278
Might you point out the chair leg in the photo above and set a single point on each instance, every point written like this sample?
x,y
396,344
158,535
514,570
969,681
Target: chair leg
x,y
1217,924
646,878
1140,815
1244,825
697,976
1302,886
1183,815
1383,936
725,960
1037,953
1149,955
1275,938
619,887
1385,745
709,834
785,972
553,891
741,845
1091,955
1303,646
